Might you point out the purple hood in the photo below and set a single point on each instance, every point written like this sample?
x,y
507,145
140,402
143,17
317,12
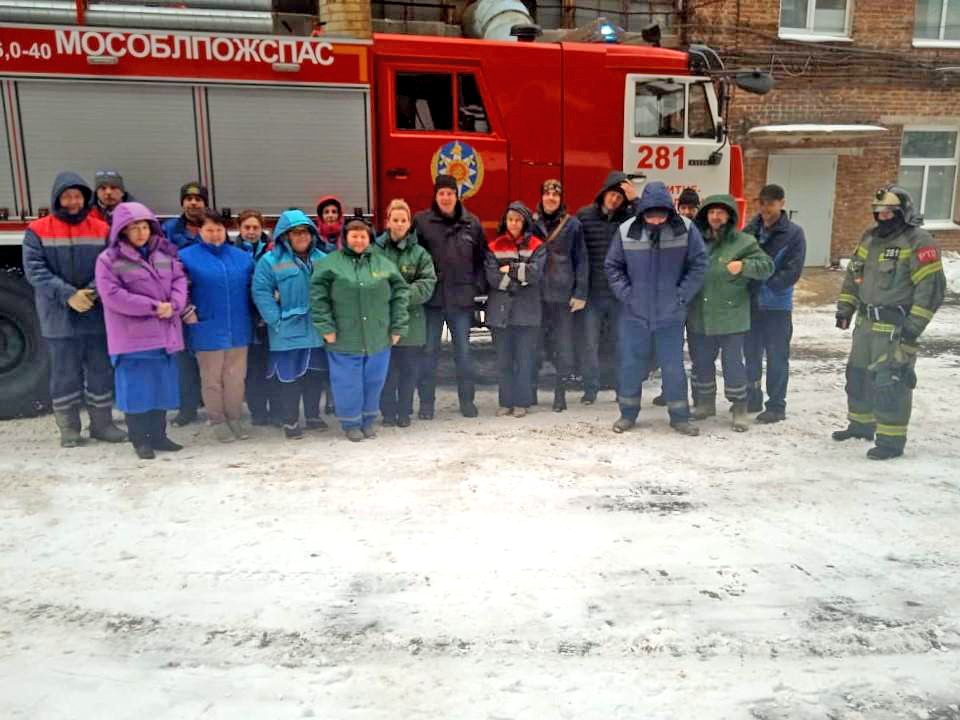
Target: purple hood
x,y
130,212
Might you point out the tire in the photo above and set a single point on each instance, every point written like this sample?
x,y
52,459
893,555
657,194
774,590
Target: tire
x,y
24,363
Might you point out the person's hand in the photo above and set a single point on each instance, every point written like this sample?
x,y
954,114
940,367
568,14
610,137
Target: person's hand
x,y
629,190
330,338
735,267
504,268
576,304
394,339
843,321
163,310
82,300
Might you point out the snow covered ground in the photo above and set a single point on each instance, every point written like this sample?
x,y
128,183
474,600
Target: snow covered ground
x,y
496,568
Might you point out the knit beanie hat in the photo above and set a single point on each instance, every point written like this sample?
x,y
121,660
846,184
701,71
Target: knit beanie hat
x,y
689,197
445,181
195,188
107,177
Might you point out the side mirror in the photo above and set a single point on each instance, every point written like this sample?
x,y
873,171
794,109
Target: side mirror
x,y
757,82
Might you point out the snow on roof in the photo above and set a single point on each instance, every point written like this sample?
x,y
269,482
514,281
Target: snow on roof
x,y
816,128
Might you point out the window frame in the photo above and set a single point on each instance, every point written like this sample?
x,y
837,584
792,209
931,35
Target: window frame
x,y
926,164
809,33
939,41
687,82
454,72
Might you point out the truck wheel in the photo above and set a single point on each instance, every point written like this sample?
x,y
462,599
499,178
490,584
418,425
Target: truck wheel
x,y
24,365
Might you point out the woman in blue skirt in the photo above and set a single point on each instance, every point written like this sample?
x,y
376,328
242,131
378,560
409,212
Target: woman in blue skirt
x,y
144,292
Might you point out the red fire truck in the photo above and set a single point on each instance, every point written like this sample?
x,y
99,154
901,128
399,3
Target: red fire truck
x,y
273,122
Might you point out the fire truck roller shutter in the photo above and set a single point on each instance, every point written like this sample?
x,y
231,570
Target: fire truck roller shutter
x,y
8,196
276,148
146,132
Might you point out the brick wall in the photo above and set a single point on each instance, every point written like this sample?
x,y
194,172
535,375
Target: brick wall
x,y
347,18
878,79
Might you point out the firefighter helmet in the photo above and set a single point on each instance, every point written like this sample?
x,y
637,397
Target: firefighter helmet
x,y
894,197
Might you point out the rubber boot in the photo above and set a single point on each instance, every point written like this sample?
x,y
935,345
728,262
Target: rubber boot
x,y
623,424
884,452
660,400
102,427
706,407
560,396
685,428
465,393
68,421
850,432
158,433
740,421
140,429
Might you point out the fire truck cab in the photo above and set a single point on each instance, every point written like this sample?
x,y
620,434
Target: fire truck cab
x,y
271,122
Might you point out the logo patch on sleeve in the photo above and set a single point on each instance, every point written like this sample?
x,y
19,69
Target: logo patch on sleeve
x,y
891,253
928,254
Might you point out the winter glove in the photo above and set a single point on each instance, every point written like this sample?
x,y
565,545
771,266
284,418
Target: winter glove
x,y
576,304
843,321
82,300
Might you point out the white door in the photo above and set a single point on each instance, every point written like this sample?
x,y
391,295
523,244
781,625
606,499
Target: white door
x,y
809,182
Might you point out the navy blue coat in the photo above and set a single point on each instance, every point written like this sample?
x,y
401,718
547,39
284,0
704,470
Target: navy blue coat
x,y
599,230
786,244
60,257
220,277
656,277
567,272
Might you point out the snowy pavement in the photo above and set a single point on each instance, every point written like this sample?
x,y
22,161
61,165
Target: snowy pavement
x,y
496,568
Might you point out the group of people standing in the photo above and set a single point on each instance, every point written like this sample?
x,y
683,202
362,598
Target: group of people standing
x,y
167,316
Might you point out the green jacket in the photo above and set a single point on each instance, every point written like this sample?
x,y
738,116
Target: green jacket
x,y
722,307
416,266
362,298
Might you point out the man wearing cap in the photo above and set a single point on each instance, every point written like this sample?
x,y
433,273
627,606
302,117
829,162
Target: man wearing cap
x,y
454,238
59,258
184,231
688,203
564,283
771,305
601,222
108,193
894,284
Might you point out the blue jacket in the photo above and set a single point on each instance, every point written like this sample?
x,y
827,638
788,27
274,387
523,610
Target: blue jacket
x,y
59,257
656,276
786,244
220,288
281,271
567,270
176,232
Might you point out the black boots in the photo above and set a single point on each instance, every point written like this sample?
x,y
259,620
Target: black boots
x,y
68,422
560,395
754,400
465,393
852,431
102,427
139,426
884,452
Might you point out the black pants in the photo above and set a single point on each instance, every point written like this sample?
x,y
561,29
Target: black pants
x,y
148,428
189,375
558,337
261,392
402,378
80,372
516,346
308,386
770,335
459,322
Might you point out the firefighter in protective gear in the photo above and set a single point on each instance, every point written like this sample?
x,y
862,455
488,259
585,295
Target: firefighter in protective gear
x,y
894,284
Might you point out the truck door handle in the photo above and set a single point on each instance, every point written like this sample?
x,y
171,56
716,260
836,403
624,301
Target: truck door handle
x,y
397,173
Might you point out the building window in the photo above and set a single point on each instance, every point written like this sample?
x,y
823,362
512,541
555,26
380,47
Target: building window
x,y
937,20
928,170
814,17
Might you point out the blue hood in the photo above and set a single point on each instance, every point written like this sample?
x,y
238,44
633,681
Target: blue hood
x,y
655,195
291,219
